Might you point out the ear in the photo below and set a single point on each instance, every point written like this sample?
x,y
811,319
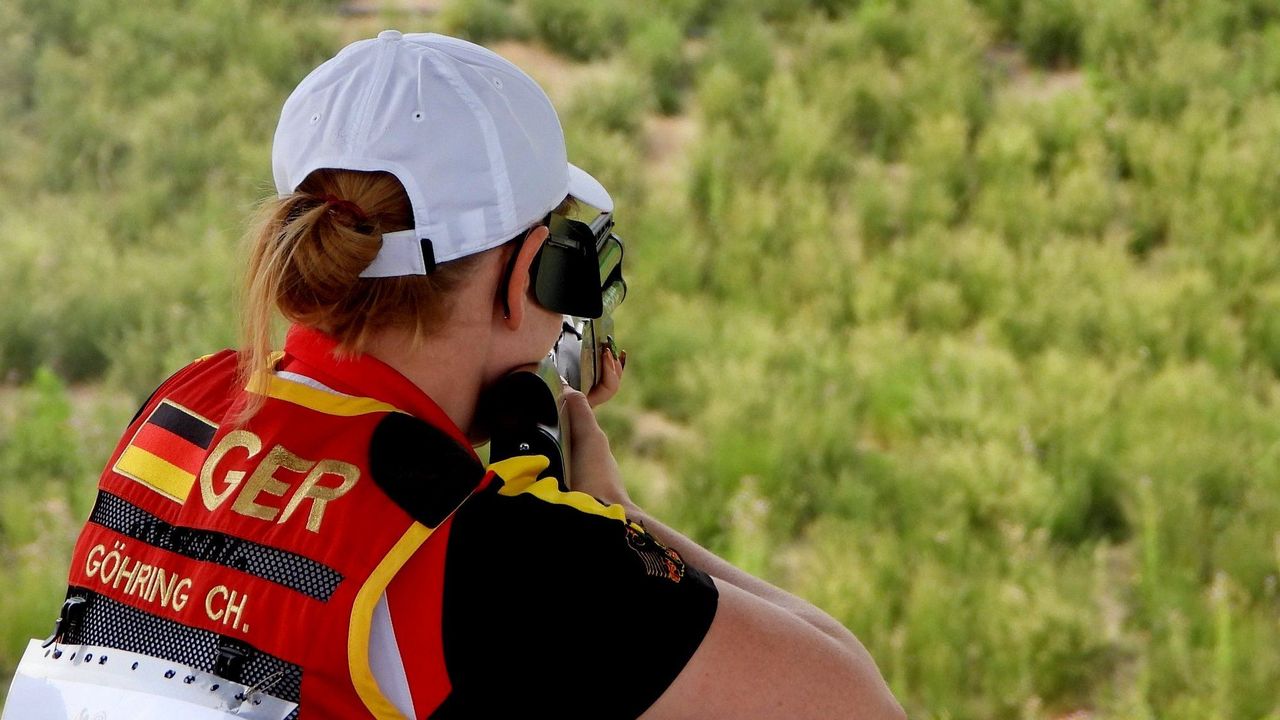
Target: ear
x,y
517,289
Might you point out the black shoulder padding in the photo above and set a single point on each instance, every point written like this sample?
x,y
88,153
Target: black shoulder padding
x,y
423,470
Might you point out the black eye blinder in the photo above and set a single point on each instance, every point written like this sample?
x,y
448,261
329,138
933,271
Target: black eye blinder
x,y
566,270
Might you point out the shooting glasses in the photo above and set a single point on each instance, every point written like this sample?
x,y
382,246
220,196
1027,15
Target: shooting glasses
x,y
578,270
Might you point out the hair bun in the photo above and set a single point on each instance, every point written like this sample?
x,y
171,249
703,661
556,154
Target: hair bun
x,y
333,202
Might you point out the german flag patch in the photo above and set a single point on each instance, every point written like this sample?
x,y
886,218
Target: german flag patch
x,y
168,449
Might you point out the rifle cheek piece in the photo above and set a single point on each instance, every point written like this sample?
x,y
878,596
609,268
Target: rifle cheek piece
x,y
522,413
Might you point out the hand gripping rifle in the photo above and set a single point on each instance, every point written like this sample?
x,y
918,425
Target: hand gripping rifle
x,y
578,273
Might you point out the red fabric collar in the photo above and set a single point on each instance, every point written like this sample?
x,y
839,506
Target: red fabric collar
x,y
309,352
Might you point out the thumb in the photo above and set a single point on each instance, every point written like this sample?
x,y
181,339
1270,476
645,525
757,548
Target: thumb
x,y
583,427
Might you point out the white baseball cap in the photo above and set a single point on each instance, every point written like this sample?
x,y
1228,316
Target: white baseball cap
x,y
473,139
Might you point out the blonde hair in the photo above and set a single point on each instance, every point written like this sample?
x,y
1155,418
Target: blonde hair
x,y
306,253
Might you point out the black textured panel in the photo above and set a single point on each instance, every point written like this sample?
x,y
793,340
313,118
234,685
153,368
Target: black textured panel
x,y
282,567
423,470
116,625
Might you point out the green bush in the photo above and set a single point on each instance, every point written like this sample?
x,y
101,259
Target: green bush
x,y
1264,327
1052,32
42,445
1005,15
743,45
1120,37
616,104
481,21
656,48
579,29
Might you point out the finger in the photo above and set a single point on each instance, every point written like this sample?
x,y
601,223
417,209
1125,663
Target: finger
x,y
612,370
620,365
605,375
602,393
610,381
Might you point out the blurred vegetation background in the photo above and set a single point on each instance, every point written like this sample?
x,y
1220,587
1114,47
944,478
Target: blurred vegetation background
x,y
959,318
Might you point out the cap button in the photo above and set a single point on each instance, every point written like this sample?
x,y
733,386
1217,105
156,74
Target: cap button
x,y
389,35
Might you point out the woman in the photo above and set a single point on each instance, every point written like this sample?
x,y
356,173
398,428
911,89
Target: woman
x,y
315,524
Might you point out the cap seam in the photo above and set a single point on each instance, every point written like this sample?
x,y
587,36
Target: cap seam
x,y
381,72
496,161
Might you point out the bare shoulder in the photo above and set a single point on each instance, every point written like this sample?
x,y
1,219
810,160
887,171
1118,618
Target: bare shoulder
x,y
759,661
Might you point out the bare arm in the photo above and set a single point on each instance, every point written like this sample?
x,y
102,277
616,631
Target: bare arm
x,y
723,572
767,653
759,661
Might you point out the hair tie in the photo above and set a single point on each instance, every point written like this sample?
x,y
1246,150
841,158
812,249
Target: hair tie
x,y
351,208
